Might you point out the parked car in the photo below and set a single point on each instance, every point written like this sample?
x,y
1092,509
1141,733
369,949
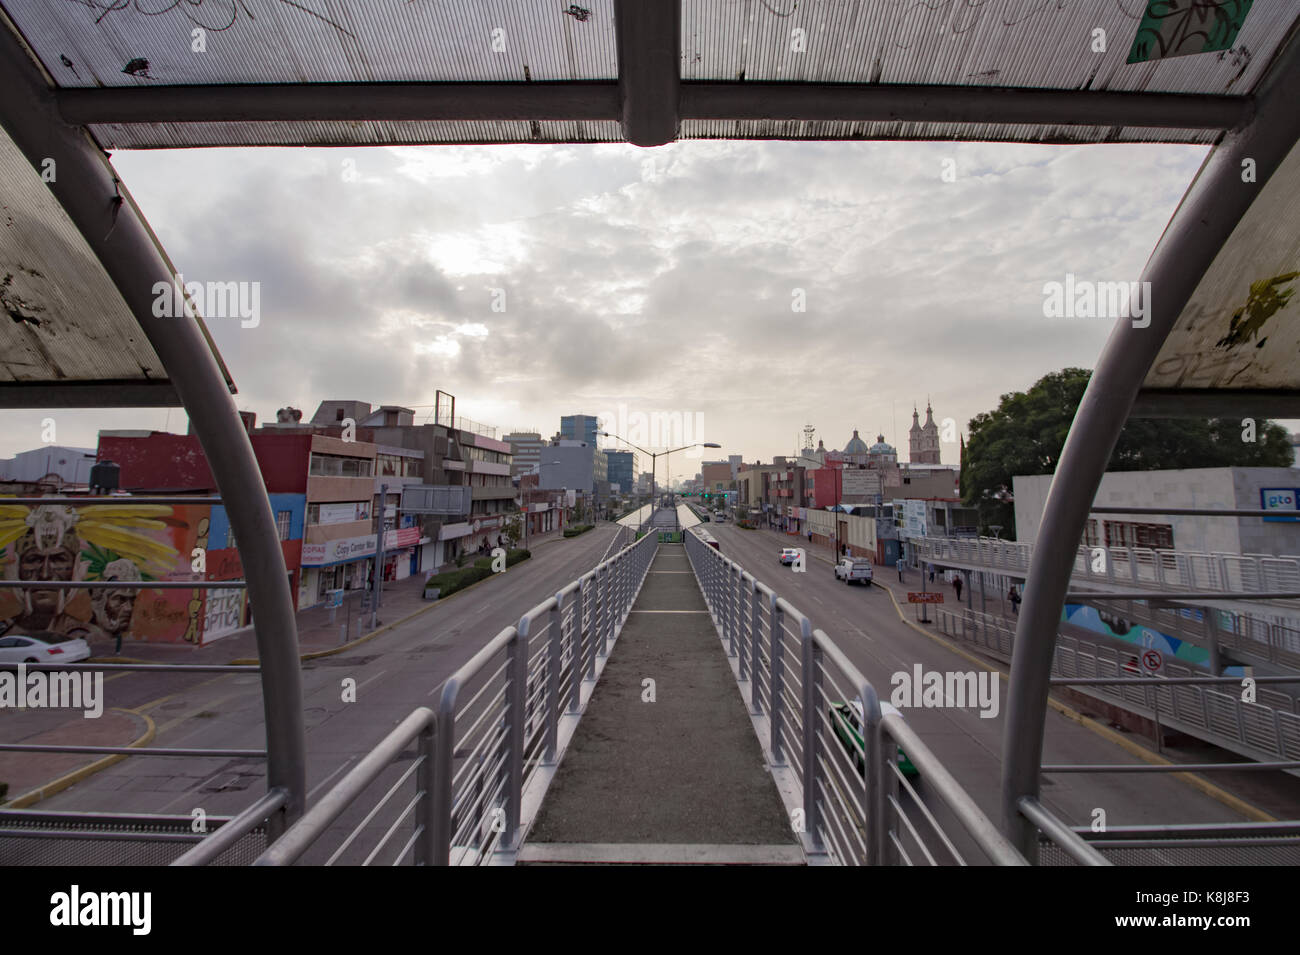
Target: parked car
x,y
846,718
788,555
27,649
850,569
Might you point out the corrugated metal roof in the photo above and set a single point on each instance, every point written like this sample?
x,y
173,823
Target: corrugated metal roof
x,y
64,320
92,42
1241,328
1000,43
997,43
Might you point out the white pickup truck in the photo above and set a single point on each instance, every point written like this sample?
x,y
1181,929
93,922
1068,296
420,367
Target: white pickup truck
x,y
850,569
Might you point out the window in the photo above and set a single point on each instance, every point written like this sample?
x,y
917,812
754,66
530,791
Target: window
x,y
334,465
338,414
1129,534
282,521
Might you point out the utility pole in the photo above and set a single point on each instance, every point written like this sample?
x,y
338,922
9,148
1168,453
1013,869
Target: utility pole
x,y
379,556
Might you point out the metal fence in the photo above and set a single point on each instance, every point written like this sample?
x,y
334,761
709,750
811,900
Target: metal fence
x,y
1168,570
1249,637
837,759
1267,728
460,783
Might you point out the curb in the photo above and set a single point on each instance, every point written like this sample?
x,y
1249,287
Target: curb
x,y
1130,746
77,775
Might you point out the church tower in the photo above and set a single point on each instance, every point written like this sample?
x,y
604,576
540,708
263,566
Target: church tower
x,y
914,446
929,443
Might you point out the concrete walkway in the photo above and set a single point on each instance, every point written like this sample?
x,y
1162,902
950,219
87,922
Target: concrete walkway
x,y
680,779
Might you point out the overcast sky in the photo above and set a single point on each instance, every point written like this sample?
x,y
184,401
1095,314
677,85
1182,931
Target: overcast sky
x,y
655,280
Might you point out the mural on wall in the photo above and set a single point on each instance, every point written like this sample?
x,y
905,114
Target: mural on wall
x,y
111,541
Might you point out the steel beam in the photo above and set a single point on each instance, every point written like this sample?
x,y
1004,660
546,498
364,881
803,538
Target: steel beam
x,y
648,37
117,233
649,98
1216,403
340,102
1210,211
109,393
860,102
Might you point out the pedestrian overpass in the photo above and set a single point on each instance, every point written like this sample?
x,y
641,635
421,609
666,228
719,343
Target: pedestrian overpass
x,y
81,265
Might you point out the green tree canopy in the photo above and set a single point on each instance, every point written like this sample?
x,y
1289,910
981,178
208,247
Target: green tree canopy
x,y
1027,431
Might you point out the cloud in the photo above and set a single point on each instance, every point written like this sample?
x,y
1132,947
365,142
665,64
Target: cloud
x,y
535,281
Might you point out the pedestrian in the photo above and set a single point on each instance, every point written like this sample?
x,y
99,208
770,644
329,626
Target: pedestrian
x,y
1014,596
956,584
931,573
899,566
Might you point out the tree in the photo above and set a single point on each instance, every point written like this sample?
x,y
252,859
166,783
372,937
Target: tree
x,y
513,529
1027,431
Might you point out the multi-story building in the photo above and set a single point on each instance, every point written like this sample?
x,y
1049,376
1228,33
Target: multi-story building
x,y
715,475
620,468
579,427
1271,489
525,451
468,493
575,466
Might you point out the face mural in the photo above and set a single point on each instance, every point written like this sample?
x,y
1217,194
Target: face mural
x,y
119,541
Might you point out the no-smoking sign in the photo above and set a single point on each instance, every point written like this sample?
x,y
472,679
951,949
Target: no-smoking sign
x,y
1152,661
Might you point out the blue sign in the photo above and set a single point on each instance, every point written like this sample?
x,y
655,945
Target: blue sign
x,y
1280,499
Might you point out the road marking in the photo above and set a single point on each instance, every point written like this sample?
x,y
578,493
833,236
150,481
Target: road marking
x,y
372,679
319,785
667,611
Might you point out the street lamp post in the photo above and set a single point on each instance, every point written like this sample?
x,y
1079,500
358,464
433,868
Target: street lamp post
x,y
654,456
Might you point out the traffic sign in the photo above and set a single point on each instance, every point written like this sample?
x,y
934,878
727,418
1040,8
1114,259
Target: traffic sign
x,y
1152,661
925,597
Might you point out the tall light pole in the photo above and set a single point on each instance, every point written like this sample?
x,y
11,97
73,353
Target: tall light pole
x,y
654,455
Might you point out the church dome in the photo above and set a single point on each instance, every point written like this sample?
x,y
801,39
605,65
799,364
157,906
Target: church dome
x,y
880,447
856,445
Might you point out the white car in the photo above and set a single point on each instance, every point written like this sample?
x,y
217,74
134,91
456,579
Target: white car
x,y
850,569
25,649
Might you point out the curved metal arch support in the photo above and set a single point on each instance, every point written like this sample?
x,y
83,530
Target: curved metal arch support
x,y
1205,219
125,246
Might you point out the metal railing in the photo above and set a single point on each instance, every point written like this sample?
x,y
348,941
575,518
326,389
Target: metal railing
x,y
1247,636
1168,570
466,793
1268,728
836,758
